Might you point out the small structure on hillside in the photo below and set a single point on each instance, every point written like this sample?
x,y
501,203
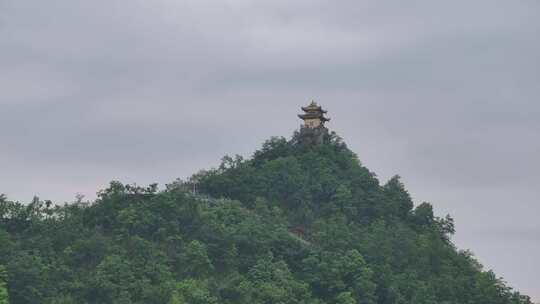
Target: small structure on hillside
x,y
313,132
314,116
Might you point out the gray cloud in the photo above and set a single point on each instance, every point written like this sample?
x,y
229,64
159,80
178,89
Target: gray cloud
x,y
445,94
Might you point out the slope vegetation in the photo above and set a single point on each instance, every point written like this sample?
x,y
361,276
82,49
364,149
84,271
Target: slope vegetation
x,y
295,223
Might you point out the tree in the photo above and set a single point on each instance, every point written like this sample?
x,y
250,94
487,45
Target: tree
x,y
273,282
4,297
114,280
28,278
423,215
335,274
194,260
345,297
400,202
192,291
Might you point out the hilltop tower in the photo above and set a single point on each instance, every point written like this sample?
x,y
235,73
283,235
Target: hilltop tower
x,y
313,131
313,116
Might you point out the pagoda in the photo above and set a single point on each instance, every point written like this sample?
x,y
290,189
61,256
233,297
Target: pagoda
x,y
314,116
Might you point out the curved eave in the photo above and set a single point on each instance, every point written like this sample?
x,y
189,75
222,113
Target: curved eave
x,y
312,109
313,116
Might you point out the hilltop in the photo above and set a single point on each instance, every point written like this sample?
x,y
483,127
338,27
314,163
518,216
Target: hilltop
x,y
301,221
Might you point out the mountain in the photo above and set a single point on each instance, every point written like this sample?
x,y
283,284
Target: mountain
x,y
301,221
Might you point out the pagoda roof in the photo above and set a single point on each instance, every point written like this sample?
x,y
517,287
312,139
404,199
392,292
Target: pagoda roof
x,y
313,116
313,107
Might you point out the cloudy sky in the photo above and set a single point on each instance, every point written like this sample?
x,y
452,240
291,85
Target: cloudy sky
x,y
446,94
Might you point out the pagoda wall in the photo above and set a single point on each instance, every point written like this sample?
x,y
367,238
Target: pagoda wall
x,y
312,123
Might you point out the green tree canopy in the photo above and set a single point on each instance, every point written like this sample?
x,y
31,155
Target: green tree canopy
x,y
297,223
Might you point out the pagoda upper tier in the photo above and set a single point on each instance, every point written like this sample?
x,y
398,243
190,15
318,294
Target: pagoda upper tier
x,y
313,116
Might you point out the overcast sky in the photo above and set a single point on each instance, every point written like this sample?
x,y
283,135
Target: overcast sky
x,y
446,94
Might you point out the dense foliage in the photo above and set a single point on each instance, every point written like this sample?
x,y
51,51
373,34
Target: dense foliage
x,y
294,224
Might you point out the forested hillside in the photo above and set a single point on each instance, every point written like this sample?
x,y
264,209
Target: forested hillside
x,y
296,223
